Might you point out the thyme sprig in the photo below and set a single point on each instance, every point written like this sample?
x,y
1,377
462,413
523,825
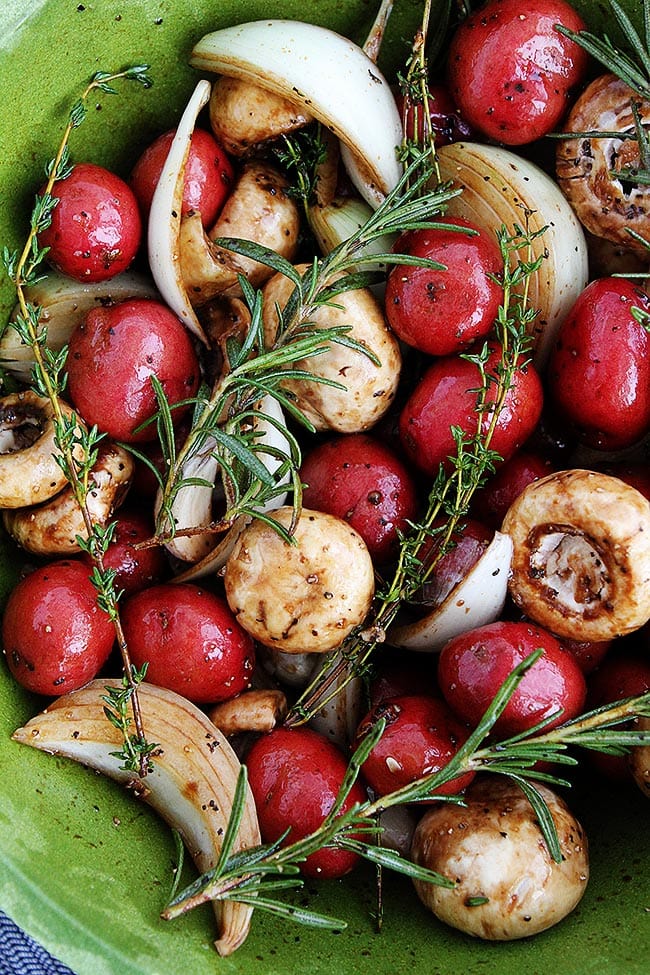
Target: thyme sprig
x,y
226,424
417,98
269,868
77,446
452,490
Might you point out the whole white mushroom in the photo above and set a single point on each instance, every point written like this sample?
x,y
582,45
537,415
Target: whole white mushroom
x,y
507,885
304,597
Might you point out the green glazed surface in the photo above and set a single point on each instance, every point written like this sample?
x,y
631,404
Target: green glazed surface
x,y
85,868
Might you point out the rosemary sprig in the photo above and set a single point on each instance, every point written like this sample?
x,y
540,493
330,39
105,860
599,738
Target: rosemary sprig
x,y
633,66
452,491
77,446
272,867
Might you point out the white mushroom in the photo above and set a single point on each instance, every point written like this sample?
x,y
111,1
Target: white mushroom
x,y
581,561
306,596
588,168
243,115
365,388
507,885
29,472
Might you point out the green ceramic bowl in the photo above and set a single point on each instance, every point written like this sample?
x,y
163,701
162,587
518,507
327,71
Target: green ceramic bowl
x,y
83,867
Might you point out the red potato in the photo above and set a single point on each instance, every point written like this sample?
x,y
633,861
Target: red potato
x,y
491,502
360,480
135,568
446,397
445,120
599,370
208,175
588,654
420,738
190,640
96,229
511,73
443,311
112,356
55,636
295,775
473,666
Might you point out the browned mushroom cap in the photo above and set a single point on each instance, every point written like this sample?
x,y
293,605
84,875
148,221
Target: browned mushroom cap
x,y
581,561
605,204
52,528
259,209
29,472
305,597
243,115
506,884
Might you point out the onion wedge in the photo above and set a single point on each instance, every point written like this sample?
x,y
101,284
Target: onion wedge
x,y
502,189
328,74
192,784
165,216
477,600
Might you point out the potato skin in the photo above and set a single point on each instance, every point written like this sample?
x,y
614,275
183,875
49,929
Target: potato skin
x,y
305,597
494,849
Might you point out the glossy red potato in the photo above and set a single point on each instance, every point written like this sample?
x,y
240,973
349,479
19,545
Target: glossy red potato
x,y
190,640
510,72
624,673
55,636
446,397
363,482
587,654
135,568
421,737
112,356
599,370
474,665
208,175
443,311
295,776
445,120
491,502
96,229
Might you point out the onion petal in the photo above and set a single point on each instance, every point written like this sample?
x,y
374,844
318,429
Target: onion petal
x,y
328,74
